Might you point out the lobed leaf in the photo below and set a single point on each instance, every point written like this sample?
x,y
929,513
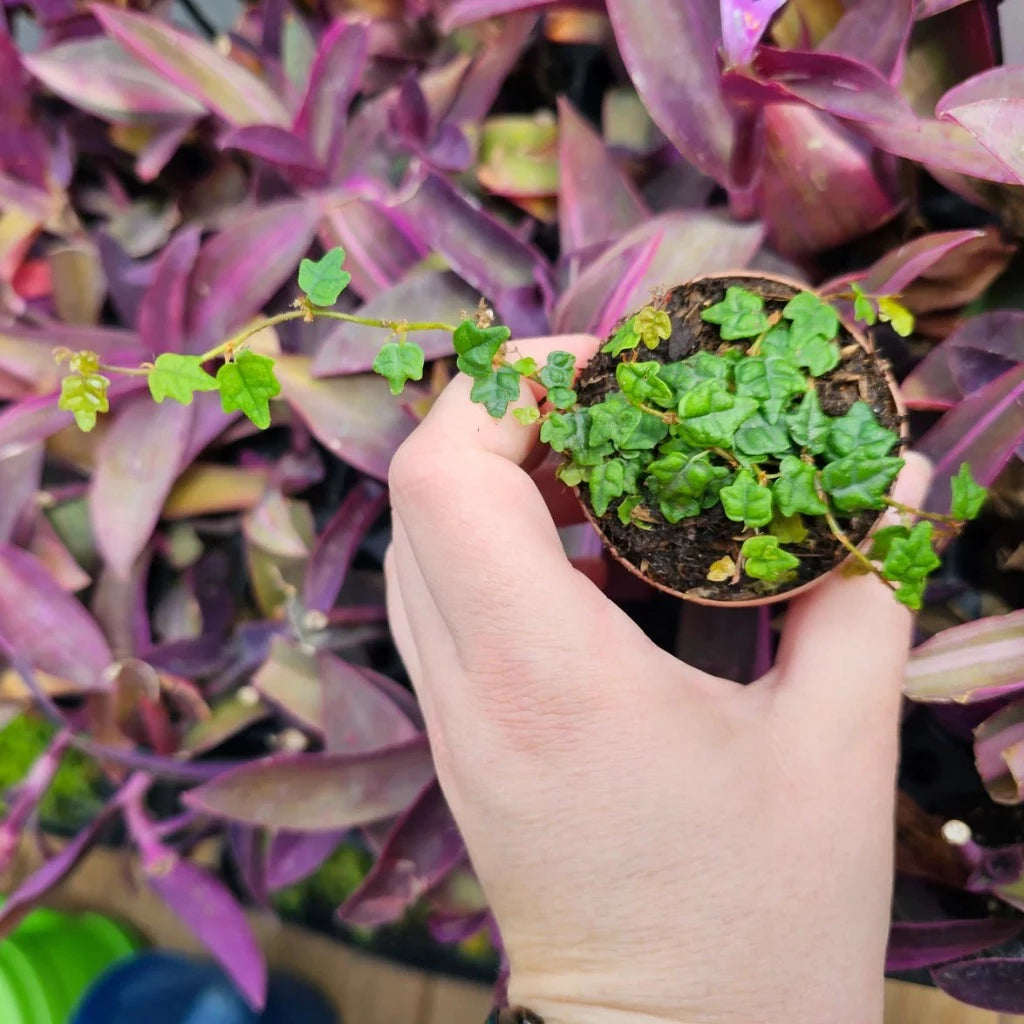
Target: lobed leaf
x,y
772,379
858,431
812,317
808,425
558,371
398,362
247,384
757,437
612,420
84,395
477,347
179,377
856,484
739,315
566,431
796,489
967,494
323,280
763,559
710,415
746,501
625,338
641,384
607,482
496,390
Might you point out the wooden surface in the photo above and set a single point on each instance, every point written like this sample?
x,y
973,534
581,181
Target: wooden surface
x,y
365,989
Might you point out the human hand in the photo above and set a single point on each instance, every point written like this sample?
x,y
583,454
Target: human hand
x,y
657,844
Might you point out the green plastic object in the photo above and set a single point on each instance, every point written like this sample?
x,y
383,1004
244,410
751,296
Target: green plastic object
x,y
51,959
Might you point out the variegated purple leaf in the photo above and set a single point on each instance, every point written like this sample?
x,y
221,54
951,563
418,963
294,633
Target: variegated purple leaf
x,y
929,8
334,80
279,147
288,680
381,244
161,319
422,848
744,22
510,273
597,202
47,627
241,267
455,13
317,792
984,430
992,983
974,662
294,856
139,460
694,242
119,606
670,50
437,295
212,914
999,751
874,32
899,267
354,418
21,468
162,144
100,76
246,846
358,715
337,545
927,943
195,67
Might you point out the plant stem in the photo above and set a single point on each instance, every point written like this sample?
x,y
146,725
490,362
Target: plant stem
x,y
921,514
840,535
723,454
127,371
312,312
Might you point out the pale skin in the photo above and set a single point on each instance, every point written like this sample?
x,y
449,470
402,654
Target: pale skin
x,y
658,845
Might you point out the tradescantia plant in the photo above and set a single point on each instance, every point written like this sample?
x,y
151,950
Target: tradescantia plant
x,y
741,428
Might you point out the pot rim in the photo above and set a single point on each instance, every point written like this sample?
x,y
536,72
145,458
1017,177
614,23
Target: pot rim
x,y
757,602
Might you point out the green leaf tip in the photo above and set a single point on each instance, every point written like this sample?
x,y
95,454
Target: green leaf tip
x,y
323,280
739,315
967,494
247,384
398,362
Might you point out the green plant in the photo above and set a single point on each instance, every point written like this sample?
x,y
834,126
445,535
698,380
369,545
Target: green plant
x,y
741,427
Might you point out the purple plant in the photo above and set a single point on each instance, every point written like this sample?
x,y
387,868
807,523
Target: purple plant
x,y
199,606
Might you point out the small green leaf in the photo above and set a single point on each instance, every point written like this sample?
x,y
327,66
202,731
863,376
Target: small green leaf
x,y
893,312
773,380
558,371
84,395
788,529
683,508
756,436
323,280
808,425
179,377
776,342
710,415
247,384
708,366
528,415
570,474
592,456
677,476
863,308
740,314
795,489
882,539
745,501
641,384
968,494
495,391
811,317
763,559
613,420
476,347
607,482
626,512
859,431
856,484
562,398
625,338
398,362
648,433
565,431
527,366
653,326
911,593
816,353
911,559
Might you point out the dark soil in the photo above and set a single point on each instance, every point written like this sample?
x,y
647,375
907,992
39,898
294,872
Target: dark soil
x,y
677,557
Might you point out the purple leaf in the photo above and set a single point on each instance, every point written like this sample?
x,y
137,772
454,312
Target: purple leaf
x,y
617,305
597,202
874,32
162,144
895,271
119,606
435,295
127,277
940,380
999,749
195,67
991,107
670,50
984,430
161,319
319,792
333,83
213,915
695,242
355,418
279,147
358,716
21,468
926,943
456,13
993,983
511,274
99,76
246,846
422,848
139,460
47,627
241,267
293,856
974,662
381,244
743,24
409,115
288,680
336,546
39,884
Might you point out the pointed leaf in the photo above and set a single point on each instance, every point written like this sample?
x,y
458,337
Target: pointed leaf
x,y
294,856
874,32
926,943
999,754
992,983
279,147
195,67
398,362
161,317
179,377
319,792
247,384
288,679
47,627
323,280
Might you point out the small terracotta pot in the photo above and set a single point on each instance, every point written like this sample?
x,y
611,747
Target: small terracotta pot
x,y
785,595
